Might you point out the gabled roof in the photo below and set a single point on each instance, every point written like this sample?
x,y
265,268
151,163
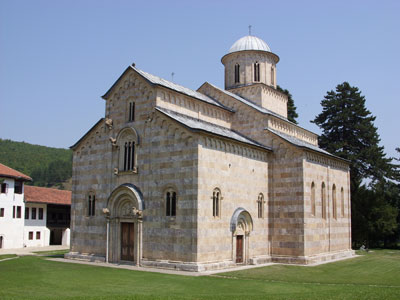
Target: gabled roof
x,y
255,106
35,194
158,81
203,126
11,173
83,137
302,144
248,103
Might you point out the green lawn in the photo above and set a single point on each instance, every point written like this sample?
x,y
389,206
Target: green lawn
x,y
375,275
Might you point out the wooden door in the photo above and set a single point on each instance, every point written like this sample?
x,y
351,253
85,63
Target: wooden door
x,y
127,241
239,248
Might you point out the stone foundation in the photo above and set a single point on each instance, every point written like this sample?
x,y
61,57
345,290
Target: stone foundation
x,y
210,266
313,259
85,257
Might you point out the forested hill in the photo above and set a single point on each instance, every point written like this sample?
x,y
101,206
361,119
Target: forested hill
x,y
49,167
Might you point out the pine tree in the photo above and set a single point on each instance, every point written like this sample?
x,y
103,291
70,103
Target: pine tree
x,y
291,108
348,131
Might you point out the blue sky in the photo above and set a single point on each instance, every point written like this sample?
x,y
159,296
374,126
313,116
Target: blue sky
x,y
58,57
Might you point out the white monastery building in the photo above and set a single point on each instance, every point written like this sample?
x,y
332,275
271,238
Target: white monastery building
x,y
207,179
31,216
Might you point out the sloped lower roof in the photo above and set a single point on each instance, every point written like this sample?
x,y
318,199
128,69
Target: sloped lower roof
x,y
255,106
199,125
37,194
248,102
11,173
302,144
170,85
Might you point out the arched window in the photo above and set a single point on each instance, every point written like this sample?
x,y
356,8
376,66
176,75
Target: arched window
x,y
131,111
129,156
127,142
216,203
272,76
313,199
334,204
260,206
323,201
342,201
91,204
170,203
256,71
237,73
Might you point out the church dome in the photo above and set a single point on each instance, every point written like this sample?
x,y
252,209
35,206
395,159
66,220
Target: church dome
x,y
249,42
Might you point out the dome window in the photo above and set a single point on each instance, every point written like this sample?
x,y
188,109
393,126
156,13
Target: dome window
x,y
256,71
237,73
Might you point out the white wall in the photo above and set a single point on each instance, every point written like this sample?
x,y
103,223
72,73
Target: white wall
x,y
36,226
11,229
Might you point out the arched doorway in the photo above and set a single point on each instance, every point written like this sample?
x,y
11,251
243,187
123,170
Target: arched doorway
x,y
124,224
241,227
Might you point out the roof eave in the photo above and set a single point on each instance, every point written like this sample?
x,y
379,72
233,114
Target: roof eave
x,y
311,150
16,177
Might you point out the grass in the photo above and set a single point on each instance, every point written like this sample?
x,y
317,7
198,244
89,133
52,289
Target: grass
x,y
374,275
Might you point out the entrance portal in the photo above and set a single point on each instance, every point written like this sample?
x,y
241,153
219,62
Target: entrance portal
x,y
127,241
124,215
239,249
241,227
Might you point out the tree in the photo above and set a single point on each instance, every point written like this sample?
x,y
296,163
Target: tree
x,y
348,131
291,108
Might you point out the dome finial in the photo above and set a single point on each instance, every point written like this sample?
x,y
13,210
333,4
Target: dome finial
x,y
249,29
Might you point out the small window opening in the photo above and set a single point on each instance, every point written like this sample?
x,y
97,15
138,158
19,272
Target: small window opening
x,y
237,73
256,71
216,203
170,203
91,204
131,115
260,206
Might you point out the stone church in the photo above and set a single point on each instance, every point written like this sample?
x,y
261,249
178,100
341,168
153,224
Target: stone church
x,y
207,179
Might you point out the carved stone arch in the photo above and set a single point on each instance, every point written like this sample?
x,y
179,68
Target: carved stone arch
x,y
121,195
126,144
241,226
189,140
218,144
241,217
214,144
182,135
176,132
170,128
128,132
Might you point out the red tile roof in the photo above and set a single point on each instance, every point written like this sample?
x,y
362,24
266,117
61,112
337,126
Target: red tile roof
x,y
46,195
11,173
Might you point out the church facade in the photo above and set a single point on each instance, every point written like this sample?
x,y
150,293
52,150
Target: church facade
x,y
207,179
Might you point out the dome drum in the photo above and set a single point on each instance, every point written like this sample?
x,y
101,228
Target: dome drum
x,y
249,61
